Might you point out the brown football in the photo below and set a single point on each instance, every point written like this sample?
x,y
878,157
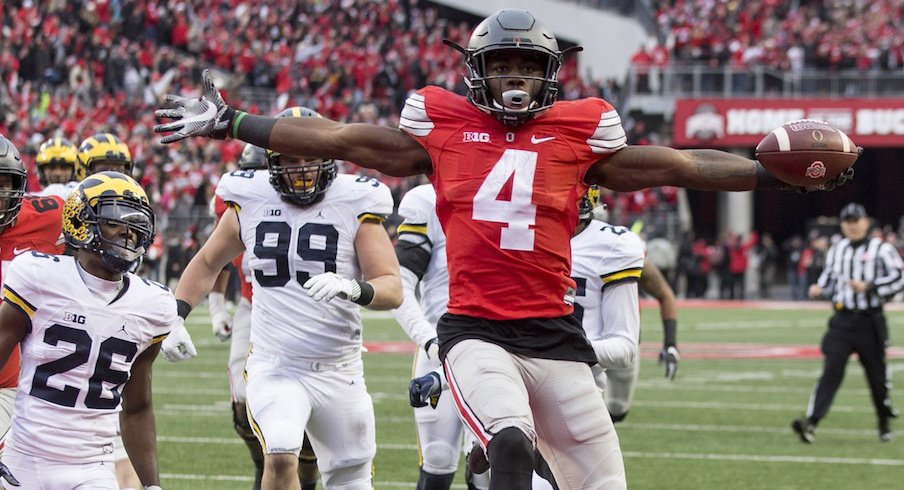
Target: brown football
x,y
806,153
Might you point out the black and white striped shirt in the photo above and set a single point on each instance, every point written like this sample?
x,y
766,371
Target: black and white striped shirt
x,y
873,261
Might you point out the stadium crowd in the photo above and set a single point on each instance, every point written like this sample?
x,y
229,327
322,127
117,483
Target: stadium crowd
x,y
828,35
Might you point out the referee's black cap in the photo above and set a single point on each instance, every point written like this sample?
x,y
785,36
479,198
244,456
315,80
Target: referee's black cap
x,y
852,211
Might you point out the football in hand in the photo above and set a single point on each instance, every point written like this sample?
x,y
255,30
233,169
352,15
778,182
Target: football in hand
x,y
806,153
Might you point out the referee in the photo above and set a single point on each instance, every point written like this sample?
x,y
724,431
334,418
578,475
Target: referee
x,y
860,274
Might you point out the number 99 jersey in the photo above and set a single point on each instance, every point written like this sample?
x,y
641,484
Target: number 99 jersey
x,y
286,244
77,354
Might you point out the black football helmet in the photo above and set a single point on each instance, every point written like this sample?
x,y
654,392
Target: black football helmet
x,y
11,165
253,158
300,180
512,30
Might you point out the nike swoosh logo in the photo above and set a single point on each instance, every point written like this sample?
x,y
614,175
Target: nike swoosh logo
x,y
537,141
17,251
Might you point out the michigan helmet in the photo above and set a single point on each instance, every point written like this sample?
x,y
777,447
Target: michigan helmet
x,y
56,151
102,148
253,158
10,165
588,203
110,199
512,30
300,180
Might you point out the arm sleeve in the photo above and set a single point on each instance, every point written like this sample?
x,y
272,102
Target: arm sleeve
x,y
889,277
619,348
827,279
410,315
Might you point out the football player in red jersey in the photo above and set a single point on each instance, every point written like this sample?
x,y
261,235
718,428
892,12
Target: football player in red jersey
x,y
509,164
27,223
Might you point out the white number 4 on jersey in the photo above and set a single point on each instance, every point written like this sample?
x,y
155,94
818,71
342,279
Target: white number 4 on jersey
x,y
519,213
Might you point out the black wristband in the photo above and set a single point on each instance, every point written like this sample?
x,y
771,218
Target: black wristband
x,y
183,308
367,293
252,129
670,333
766,181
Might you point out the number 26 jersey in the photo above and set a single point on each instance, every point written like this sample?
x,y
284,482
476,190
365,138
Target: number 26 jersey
x,y
507,198
286,244
77,355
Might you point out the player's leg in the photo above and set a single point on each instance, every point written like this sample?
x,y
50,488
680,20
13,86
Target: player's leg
x,y
620,386
575,434
871,352
279,407
39,474
342,429
238,350
477,468
836,349
492,400
439,435
307,466
7,406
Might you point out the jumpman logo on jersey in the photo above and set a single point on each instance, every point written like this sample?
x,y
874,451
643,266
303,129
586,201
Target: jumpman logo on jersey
x,y
122,329
320,214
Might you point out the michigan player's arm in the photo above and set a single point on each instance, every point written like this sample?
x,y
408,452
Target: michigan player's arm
x,y
138,427
202,271
414,251
621,319
379,264
653,282
14,326
638,167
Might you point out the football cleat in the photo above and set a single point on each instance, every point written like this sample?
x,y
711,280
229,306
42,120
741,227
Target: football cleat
x,y
885,432
804,430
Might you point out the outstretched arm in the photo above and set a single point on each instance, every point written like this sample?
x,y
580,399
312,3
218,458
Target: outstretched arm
x,y
387,150
638,167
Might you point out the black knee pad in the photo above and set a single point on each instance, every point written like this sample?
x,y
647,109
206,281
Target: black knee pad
x,y
616,418
429,481
511,452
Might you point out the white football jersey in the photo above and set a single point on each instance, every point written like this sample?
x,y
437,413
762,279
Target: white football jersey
x,y
602,255
286,244
78,355
418,209
61,190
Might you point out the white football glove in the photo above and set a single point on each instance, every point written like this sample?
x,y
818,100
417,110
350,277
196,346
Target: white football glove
x,y
177,346
670,357
220,319
326,286
207,115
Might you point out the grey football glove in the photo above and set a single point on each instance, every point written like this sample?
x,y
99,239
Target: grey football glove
x,y
207,115
8,476
670,357
425,389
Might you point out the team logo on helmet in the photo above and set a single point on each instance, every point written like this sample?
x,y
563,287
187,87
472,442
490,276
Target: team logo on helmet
x,y
115,200
102,147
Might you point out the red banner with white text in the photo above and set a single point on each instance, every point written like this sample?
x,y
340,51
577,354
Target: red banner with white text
x,y
734,123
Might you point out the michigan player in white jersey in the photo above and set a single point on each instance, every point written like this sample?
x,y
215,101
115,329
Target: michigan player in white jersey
x,y
89,331
421,249
311,237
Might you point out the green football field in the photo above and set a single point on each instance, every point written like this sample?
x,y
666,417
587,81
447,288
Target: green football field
x,y
746,372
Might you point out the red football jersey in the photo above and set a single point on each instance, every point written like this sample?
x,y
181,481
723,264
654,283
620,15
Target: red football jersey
x,y
38,228
219,207
507,198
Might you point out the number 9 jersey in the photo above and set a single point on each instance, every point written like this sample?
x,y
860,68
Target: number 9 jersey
x,y
77,354
507,198
286,244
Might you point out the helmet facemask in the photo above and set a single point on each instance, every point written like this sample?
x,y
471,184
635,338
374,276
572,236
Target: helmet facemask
x,y
11,197
516,105
124,232
589,202
300,181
